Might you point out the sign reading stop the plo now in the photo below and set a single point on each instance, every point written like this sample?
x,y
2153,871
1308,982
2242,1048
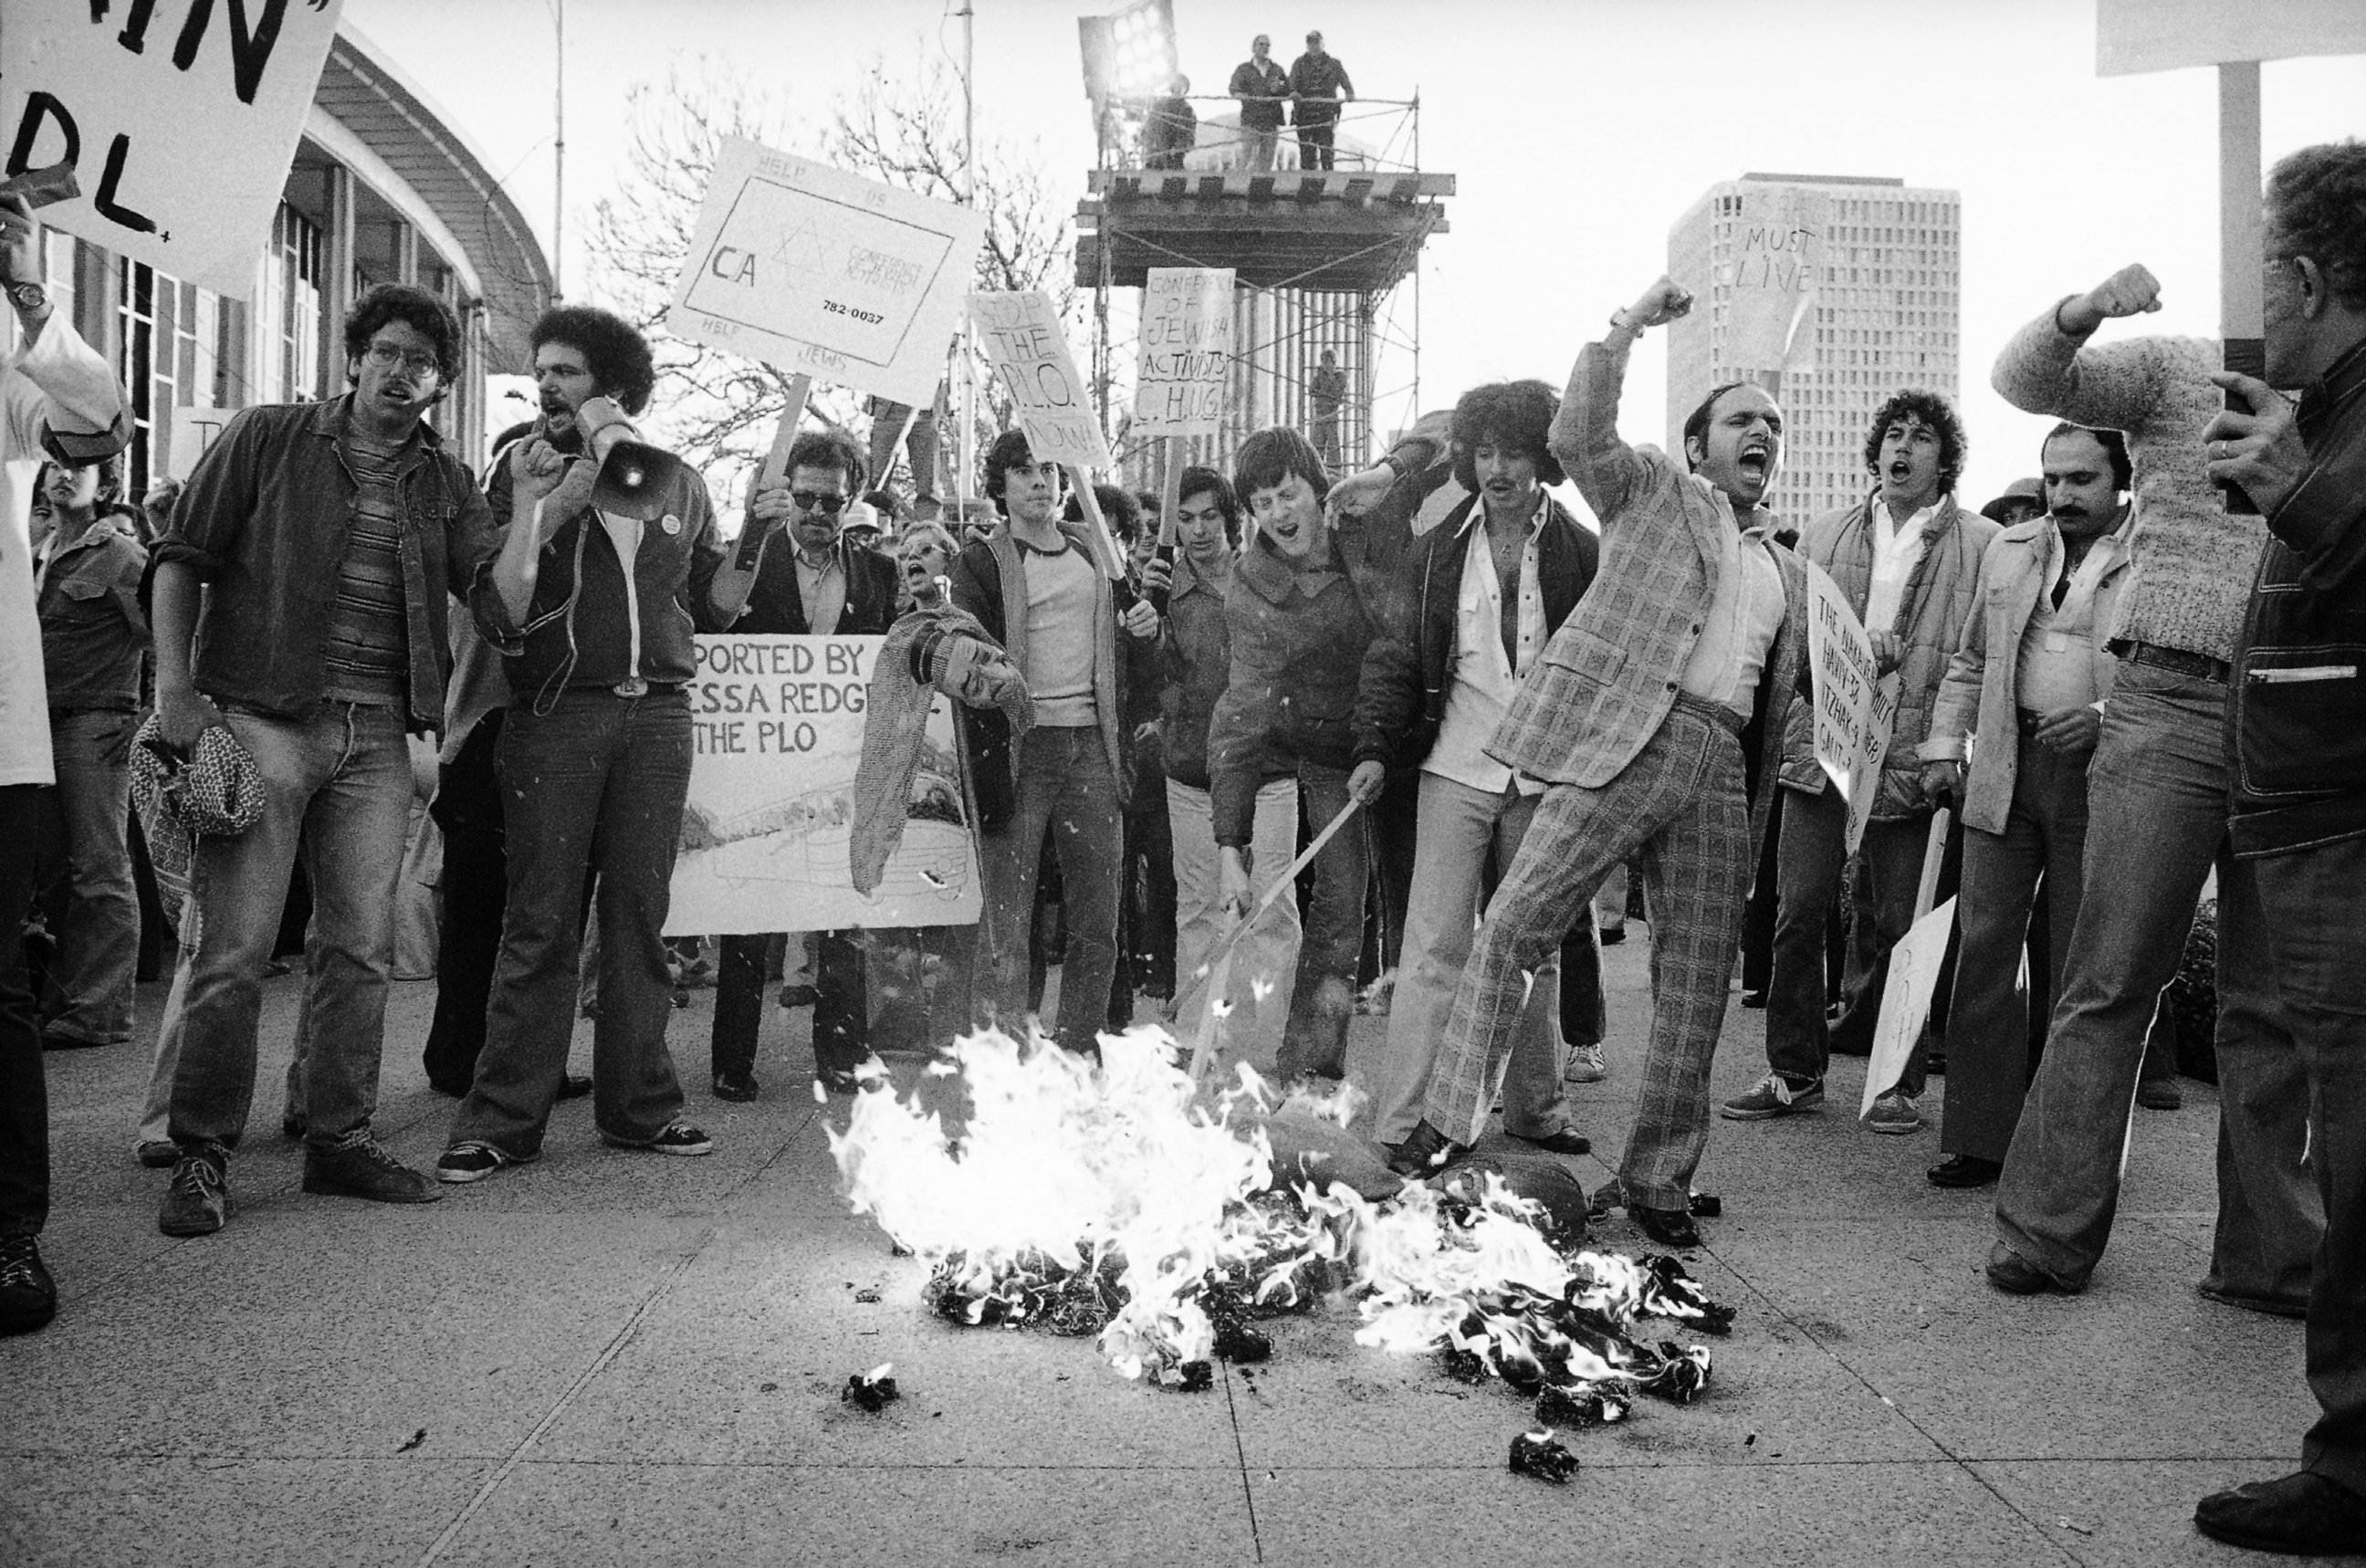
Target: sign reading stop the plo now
x,y
1187,351
180,121
1021,335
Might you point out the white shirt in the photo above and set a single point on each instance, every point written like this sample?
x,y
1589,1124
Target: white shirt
x,y
822,590
2057,668
1896,549
1485,681
1744,614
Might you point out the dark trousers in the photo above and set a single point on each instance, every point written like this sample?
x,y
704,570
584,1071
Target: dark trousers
x,y
842,1038
1808,867
2316,940
23,1092
475,889
1314,145
1393,821
1585,1012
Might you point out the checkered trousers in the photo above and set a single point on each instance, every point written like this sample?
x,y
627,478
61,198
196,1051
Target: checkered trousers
x,y
1681,803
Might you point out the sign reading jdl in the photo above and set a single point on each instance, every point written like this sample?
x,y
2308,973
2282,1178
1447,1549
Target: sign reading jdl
x,y
180,120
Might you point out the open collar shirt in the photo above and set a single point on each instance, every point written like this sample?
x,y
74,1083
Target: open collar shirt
x,y
1897,550
1485,676
1744,613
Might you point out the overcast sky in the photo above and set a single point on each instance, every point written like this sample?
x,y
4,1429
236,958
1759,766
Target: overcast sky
x,y
1578,132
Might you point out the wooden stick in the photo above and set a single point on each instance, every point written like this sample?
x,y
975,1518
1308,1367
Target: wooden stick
x,y
1170,506
1223,948
776,468
1096,534
1934,853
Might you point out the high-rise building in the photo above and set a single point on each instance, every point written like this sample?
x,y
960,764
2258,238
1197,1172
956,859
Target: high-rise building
x,y
1885,313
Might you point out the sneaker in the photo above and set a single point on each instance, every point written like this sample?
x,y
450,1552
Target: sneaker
x,y
1895,1113
1773,1096
29,1297
358,1166
1584,1065
679,1138
198,1202
464,1162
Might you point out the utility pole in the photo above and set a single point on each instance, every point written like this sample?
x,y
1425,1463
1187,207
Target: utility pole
x,y
558,155
966,446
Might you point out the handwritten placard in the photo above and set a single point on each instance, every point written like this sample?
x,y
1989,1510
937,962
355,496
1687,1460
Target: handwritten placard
x,y
818,270
180,121
1022,337
776,732
1778,250
1187,351
1854,703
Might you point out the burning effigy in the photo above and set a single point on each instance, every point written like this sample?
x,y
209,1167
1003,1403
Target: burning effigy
x,y
1125,1202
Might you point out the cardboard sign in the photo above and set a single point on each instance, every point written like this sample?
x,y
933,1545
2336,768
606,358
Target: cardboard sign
x,y
180,120
1854,705
1021,338
1778,251
194,430
1906,1000
814,269
2163,35
777,733
1187,351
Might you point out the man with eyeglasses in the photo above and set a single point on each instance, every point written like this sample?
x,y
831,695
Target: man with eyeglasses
x,y
300,599
816,581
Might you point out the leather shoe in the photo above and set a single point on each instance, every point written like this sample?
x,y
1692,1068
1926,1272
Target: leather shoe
x,y
838,1081
1965,1170
1424,1153
1564,1142
739,1087
1669,1228
2016,1276
2303,1514
574,1086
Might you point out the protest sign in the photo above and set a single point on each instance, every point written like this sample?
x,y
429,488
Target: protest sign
x,y
194,430
776,724
1854,705
1778,250
180,126
818,270
1187,351
1906,1000
1021,335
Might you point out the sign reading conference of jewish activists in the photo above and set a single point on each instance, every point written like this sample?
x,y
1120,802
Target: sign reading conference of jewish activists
x,y
776,728
820,271
180,120
1187,351
1854,703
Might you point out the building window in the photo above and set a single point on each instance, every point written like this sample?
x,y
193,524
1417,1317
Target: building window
x,y
287,311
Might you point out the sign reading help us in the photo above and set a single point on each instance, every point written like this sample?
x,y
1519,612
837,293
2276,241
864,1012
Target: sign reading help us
x,y
180,122
1187,351
1022,339
1778,249
1854,703
776,733
818,270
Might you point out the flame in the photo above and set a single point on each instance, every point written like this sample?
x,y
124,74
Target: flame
x,y
1122,1201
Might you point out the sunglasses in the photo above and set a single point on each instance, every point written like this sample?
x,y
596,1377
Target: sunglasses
x,y
815,500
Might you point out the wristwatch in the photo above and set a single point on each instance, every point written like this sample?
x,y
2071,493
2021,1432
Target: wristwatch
x,y
28,297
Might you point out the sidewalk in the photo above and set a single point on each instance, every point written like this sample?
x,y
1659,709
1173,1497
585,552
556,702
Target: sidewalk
x,y
611,1357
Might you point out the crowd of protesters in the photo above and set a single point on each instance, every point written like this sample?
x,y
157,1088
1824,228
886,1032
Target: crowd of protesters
x,y
1457,711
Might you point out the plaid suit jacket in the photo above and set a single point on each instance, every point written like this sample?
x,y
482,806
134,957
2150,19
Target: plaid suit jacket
x,y
1606,681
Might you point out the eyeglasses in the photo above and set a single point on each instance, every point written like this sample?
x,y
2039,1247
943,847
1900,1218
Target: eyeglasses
x,y
816,500
386,356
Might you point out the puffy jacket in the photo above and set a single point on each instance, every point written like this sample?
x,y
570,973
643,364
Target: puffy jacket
x,y
1938,598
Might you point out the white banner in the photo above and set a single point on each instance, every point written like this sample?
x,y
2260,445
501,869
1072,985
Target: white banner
x,y
777,730
1778,251
1854,705
180,121
814,269
1906,1000
1187,351
1021,338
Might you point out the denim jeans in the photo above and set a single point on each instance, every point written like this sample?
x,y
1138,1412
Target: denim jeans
x,y
2315,950
337,785
841,1035
2157,801
1063,788
594,787
1809,864
2045,837
24,1088
1315,1038
1462,829
1267,959
90,983
476,890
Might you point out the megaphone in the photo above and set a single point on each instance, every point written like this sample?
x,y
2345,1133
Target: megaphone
x,y
635,478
